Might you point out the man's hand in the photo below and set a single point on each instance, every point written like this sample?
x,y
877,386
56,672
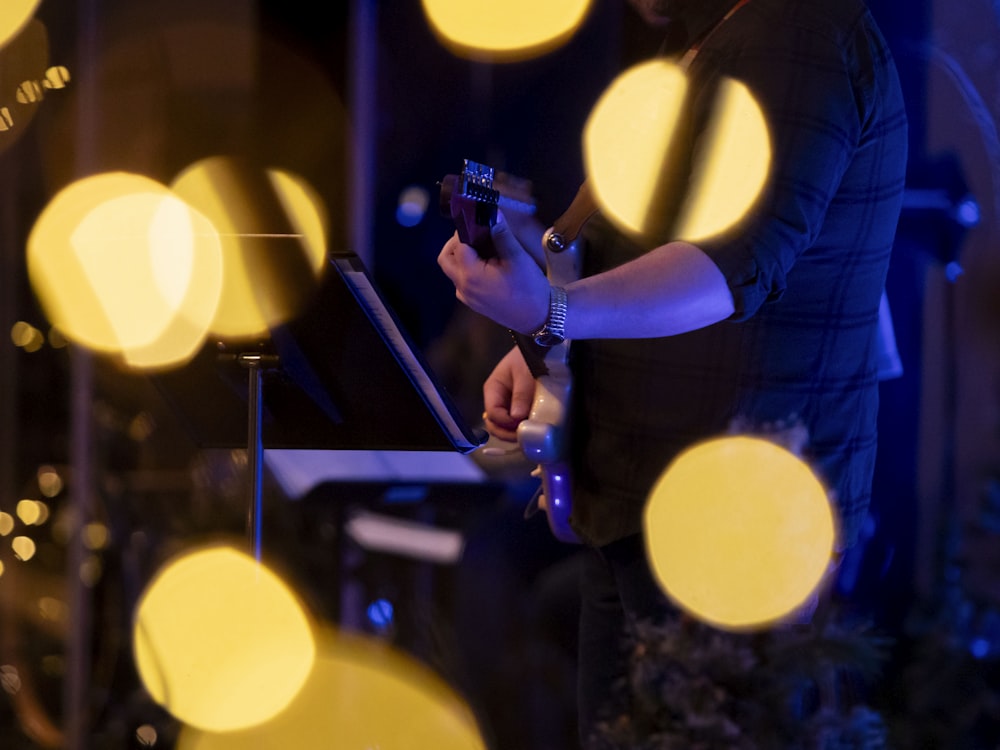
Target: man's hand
x,y
510,289
507,396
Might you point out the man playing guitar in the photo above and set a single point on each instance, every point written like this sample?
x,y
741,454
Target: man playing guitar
x,y
673,341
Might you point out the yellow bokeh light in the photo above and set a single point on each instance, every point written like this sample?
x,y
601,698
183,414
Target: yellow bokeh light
x,y
52,609
220,641
24,547
90,571
304,210
732,168
56,339
146,735
32,512
273,232
739,532
96,536
627,139
27,337
362,694
504,31
24,55
6,523
49,482
14,15
56,77
123,266
20,333
629,145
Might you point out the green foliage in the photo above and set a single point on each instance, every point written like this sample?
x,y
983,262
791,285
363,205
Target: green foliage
x,y
794,687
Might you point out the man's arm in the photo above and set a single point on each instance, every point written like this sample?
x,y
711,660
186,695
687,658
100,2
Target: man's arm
x,y
672,289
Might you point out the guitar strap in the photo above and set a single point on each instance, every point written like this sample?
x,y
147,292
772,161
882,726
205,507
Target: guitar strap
x,y
567,227
692,52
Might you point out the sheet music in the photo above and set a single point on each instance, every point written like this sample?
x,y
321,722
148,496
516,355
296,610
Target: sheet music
x,y
298,471
370,299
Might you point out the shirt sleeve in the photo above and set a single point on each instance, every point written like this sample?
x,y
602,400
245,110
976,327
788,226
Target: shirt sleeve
x,y
806,88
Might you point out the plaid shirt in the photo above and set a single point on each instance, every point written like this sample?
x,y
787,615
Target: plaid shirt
x,y
806,269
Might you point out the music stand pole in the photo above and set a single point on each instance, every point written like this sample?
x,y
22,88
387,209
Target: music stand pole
x,y
255,362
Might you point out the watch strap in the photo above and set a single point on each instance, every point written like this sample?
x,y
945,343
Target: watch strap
x,y
553,331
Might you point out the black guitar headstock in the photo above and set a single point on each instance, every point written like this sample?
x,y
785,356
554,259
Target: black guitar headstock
x,y
471,202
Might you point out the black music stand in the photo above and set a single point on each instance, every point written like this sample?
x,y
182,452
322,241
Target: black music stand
x,y
343,374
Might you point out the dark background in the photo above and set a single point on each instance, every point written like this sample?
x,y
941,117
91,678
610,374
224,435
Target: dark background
x,y
150,94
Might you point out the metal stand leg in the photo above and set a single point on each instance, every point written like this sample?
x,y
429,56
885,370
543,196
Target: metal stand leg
x,y
255,364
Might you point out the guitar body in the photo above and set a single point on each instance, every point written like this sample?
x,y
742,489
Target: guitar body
x,y
471,201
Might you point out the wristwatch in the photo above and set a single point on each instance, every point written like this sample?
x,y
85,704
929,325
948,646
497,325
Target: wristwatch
x,y
553,331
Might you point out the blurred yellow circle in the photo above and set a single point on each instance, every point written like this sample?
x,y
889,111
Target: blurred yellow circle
x,y
739,532
14,15
220,641
363,693
121,265
504,31
636,155
273,231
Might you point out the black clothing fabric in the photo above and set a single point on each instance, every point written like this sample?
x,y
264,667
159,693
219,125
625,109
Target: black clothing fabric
x,y
806,268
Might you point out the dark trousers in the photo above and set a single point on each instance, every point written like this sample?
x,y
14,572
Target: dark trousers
x,y
618,592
